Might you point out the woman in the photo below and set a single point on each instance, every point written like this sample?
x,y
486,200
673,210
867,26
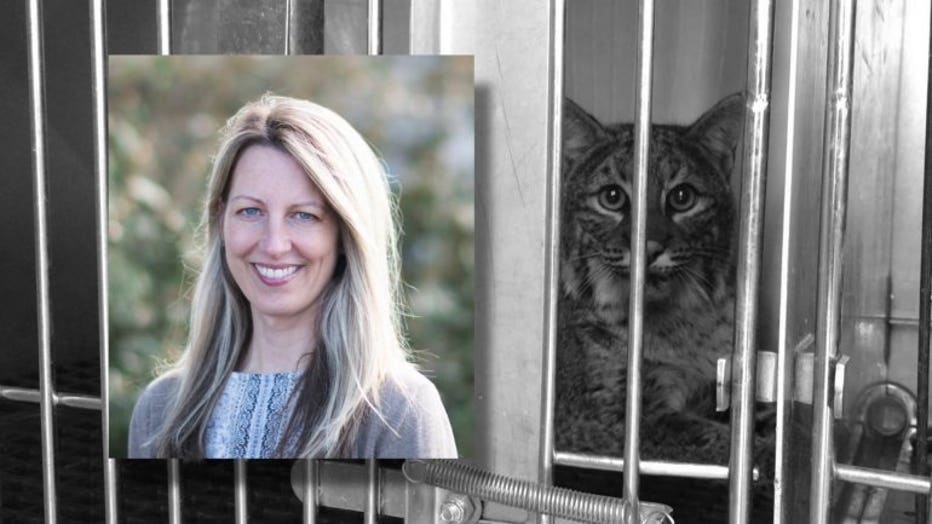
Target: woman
x,y
295,345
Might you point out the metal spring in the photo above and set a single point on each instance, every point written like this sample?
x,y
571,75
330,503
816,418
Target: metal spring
x,y
560,502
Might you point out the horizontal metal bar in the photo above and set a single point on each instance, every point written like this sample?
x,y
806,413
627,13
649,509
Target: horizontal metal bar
x,y
893,321
882,479
648,467
78,401
70,400
338,487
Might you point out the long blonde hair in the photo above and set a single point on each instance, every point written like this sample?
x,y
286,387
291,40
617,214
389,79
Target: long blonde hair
x,y
360,341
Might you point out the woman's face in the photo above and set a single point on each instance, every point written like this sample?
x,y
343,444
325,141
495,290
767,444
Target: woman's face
x,y
280,235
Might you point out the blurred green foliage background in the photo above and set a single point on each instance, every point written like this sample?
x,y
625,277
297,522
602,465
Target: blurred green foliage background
x,y
164,117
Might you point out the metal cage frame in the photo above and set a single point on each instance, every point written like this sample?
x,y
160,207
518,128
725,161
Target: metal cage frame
x,y
548,94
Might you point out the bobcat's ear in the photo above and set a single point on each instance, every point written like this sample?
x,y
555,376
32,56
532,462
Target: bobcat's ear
x,y
719,130
580,130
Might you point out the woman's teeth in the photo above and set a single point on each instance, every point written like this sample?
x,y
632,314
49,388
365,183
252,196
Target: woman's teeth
x,y
276,273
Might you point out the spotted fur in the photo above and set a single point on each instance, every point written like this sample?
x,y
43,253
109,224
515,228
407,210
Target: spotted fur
x,y
689,291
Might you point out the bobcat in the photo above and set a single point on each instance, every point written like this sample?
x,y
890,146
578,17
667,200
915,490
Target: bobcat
x,y
689,288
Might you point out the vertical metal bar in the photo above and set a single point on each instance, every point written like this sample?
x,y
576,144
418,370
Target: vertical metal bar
x,y
289,20
311,479
920,457
46,395
375,27
552,260
744,360
110,490
785,355
240,493
644,68
174,492
785,380
372,491
99,78
832,230
165,27
425,27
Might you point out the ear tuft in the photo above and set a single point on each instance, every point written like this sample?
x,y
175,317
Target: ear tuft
x,y
580,130
718,130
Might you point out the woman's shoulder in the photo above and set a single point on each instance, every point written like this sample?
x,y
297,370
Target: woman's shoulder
x,y
158,393
411,422
149,413
407,383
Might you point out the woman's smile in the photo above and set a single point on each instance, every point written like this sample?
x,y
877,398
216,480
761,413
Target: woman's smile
x,y
275,275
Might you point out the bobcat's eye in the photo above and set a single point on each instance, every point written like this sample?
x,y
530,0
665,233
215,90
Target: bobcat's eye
x,y
613,197
681,198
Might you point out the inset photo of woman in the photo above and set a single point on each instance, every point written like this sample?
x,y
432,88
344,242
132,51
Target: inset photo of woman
x,y
291,257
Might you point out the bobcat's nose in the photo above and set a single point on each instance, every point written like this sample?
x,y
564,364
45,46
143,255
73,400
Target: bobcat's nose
x,y
654,249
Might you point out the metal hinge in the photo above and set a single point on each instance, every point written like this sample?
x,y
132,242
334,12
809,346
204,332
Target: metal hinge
x,y
766,387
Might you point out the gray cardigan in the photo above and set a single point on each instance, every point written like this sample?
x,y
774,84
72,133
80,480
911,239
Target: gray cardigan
x,y
419,419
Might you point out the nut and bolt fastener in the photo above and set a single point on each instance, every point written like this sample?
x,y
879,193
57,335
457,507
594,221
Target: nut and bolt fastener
x,y
453,511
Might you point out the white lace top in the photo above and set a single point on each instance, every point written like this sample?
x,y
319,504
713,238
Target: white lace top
x,y
250,416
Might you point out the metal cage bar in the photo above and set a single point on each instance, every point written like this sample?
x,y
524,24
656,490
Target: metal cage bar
x,y
375,27
36,72
425,27
648,467
289,31
883,479
311,500
240,491
174,491
99,88
371,514
58,399
552,246
174,473
164,18
834,206
785,353
744,360
920,451
644,69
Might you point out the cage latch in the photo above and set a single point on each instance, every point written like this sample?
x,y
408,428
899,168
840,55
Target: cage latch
x,y
766,387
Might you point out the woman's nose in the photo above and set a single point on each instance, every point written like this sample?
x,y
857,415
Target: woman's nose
x,y
277,240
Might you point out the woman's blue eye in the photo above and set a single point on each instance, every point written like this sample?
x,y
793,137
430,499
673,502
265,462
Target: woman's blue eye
x,y
250,211
303,215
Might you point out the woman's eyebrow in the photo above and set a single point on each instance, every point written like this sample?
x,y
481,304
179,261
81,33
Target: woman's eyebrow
x,y
306,203
309,203
246,197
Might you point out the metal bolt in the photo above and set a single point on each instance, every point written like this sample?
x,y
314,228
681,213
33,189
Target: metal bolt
x,y
453,510
887,416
